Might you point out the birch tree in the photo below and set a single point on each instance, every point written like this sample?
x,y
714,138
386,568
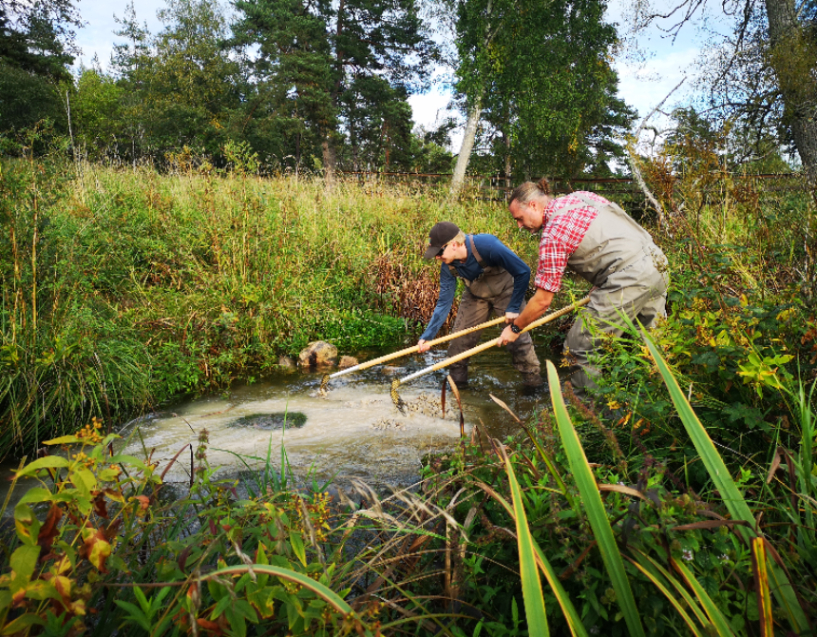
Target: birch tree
x,y
764,72
536,76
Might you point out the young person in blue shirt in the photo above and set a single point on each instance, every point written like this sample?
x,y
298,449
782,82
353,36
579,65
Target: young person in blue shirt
x,y
495,279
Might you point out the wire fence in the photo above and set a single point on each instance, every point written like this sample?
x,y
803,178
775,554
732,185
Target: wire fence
x,y
623,190
501,187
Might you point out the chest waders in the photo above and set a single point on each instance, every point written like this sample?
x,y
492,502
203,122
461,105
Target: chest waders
x,y
490,292
629,271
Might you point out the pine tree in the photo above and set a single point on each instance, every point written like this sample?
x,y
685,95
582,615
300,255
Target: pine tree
x,y
36,51
317,62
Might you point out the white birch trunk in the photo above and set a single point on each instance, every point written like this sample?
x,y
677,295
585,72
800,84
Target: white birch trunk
x,y
458,179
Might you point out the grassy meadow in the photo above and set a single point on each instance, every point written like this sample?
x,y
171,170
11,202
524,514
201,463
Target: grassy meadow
x,y
123,288
684,503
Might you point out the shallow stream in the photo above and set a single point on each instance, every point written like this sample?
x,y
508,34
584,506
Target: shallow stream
x,y
353,431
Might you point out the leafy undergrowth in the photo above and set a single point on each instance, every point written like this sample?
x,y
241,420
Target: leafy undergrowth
x,y
681,501
101,545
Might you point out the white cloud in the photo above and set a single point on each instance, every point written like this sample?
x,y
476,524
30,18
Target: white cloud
x,y
644,86
97,37
430,109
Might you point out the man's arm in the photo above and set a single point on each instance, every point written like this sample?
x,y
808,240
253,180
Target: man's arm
x,y
448,286
535,308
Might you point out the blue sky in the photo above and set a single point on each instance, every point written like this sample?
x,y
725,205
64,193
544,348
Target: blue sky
x,y
649,65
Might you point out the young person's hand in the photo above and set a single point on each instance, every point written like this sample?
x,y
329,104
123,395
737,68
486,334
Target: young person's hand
x,y
423,346
510,316
507,336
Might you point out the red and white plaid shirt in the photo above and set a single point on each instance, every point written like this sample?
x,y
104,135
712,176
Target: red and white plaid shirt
x,y
561,236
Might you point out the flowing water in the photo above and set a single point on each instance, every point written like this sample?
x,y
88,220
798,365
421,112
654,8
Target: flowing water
x,y
353,431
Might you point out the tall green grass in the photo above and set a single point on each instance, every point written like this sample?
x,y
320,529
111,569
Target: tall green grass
x,y
123,288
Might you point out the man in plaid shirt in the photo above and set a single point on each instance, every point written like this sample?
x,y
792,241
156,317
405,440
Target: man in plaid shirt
x,y
599,241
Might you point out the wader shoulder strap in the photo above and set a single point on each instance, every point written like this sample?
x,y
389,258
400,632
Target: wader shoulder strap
x,y
619,212
476,252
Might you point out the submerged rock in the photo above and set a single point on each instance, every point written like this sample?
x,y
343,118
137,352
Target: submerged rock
x,y
347,361
318,354
271,421
286,363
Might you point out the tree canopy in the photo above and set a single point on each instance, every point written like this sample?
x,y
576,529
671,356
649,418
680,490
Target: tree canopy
x,y
538,78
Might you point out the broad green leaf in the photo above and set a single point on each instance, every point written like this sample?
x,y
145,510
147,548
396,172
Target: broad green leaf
x,y
222,605
49,462
596,513
237,623
23,562
528,571
128,460
298,546
26,524
36,494
87,477
241,606
63,440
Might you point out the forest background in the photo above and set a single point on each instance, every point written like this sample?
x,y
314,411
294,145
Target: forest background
x,y
172,223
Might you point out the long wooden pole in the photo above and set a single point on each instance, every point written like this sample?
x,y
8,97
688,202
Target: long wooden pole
x,y
489,344
414,348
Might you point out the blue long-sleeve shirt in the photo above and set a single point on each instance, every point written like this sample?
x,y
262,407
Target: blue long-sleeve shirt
x,y
493,253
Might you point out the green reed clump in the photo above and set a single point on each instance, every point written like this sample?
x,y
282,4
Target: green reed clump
x,y
63,355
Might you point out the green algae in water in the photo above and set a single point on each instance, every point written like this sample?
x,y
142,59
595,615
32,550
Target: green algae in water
x,y
271,421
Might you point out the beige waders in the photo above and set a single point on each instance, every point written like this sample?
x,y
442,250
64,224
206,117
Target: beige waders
x,y
492,291
629,271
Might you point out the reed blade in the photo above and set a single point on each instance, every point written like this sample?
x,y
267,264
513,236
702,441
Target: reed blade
x,y
719,622
764,599
528,571
596,513
655,577
649,564
572,616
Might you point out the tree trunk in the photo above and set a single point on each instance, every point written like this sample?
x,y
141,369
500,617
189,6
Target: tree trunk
x,y
789,55
470,134
328,159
